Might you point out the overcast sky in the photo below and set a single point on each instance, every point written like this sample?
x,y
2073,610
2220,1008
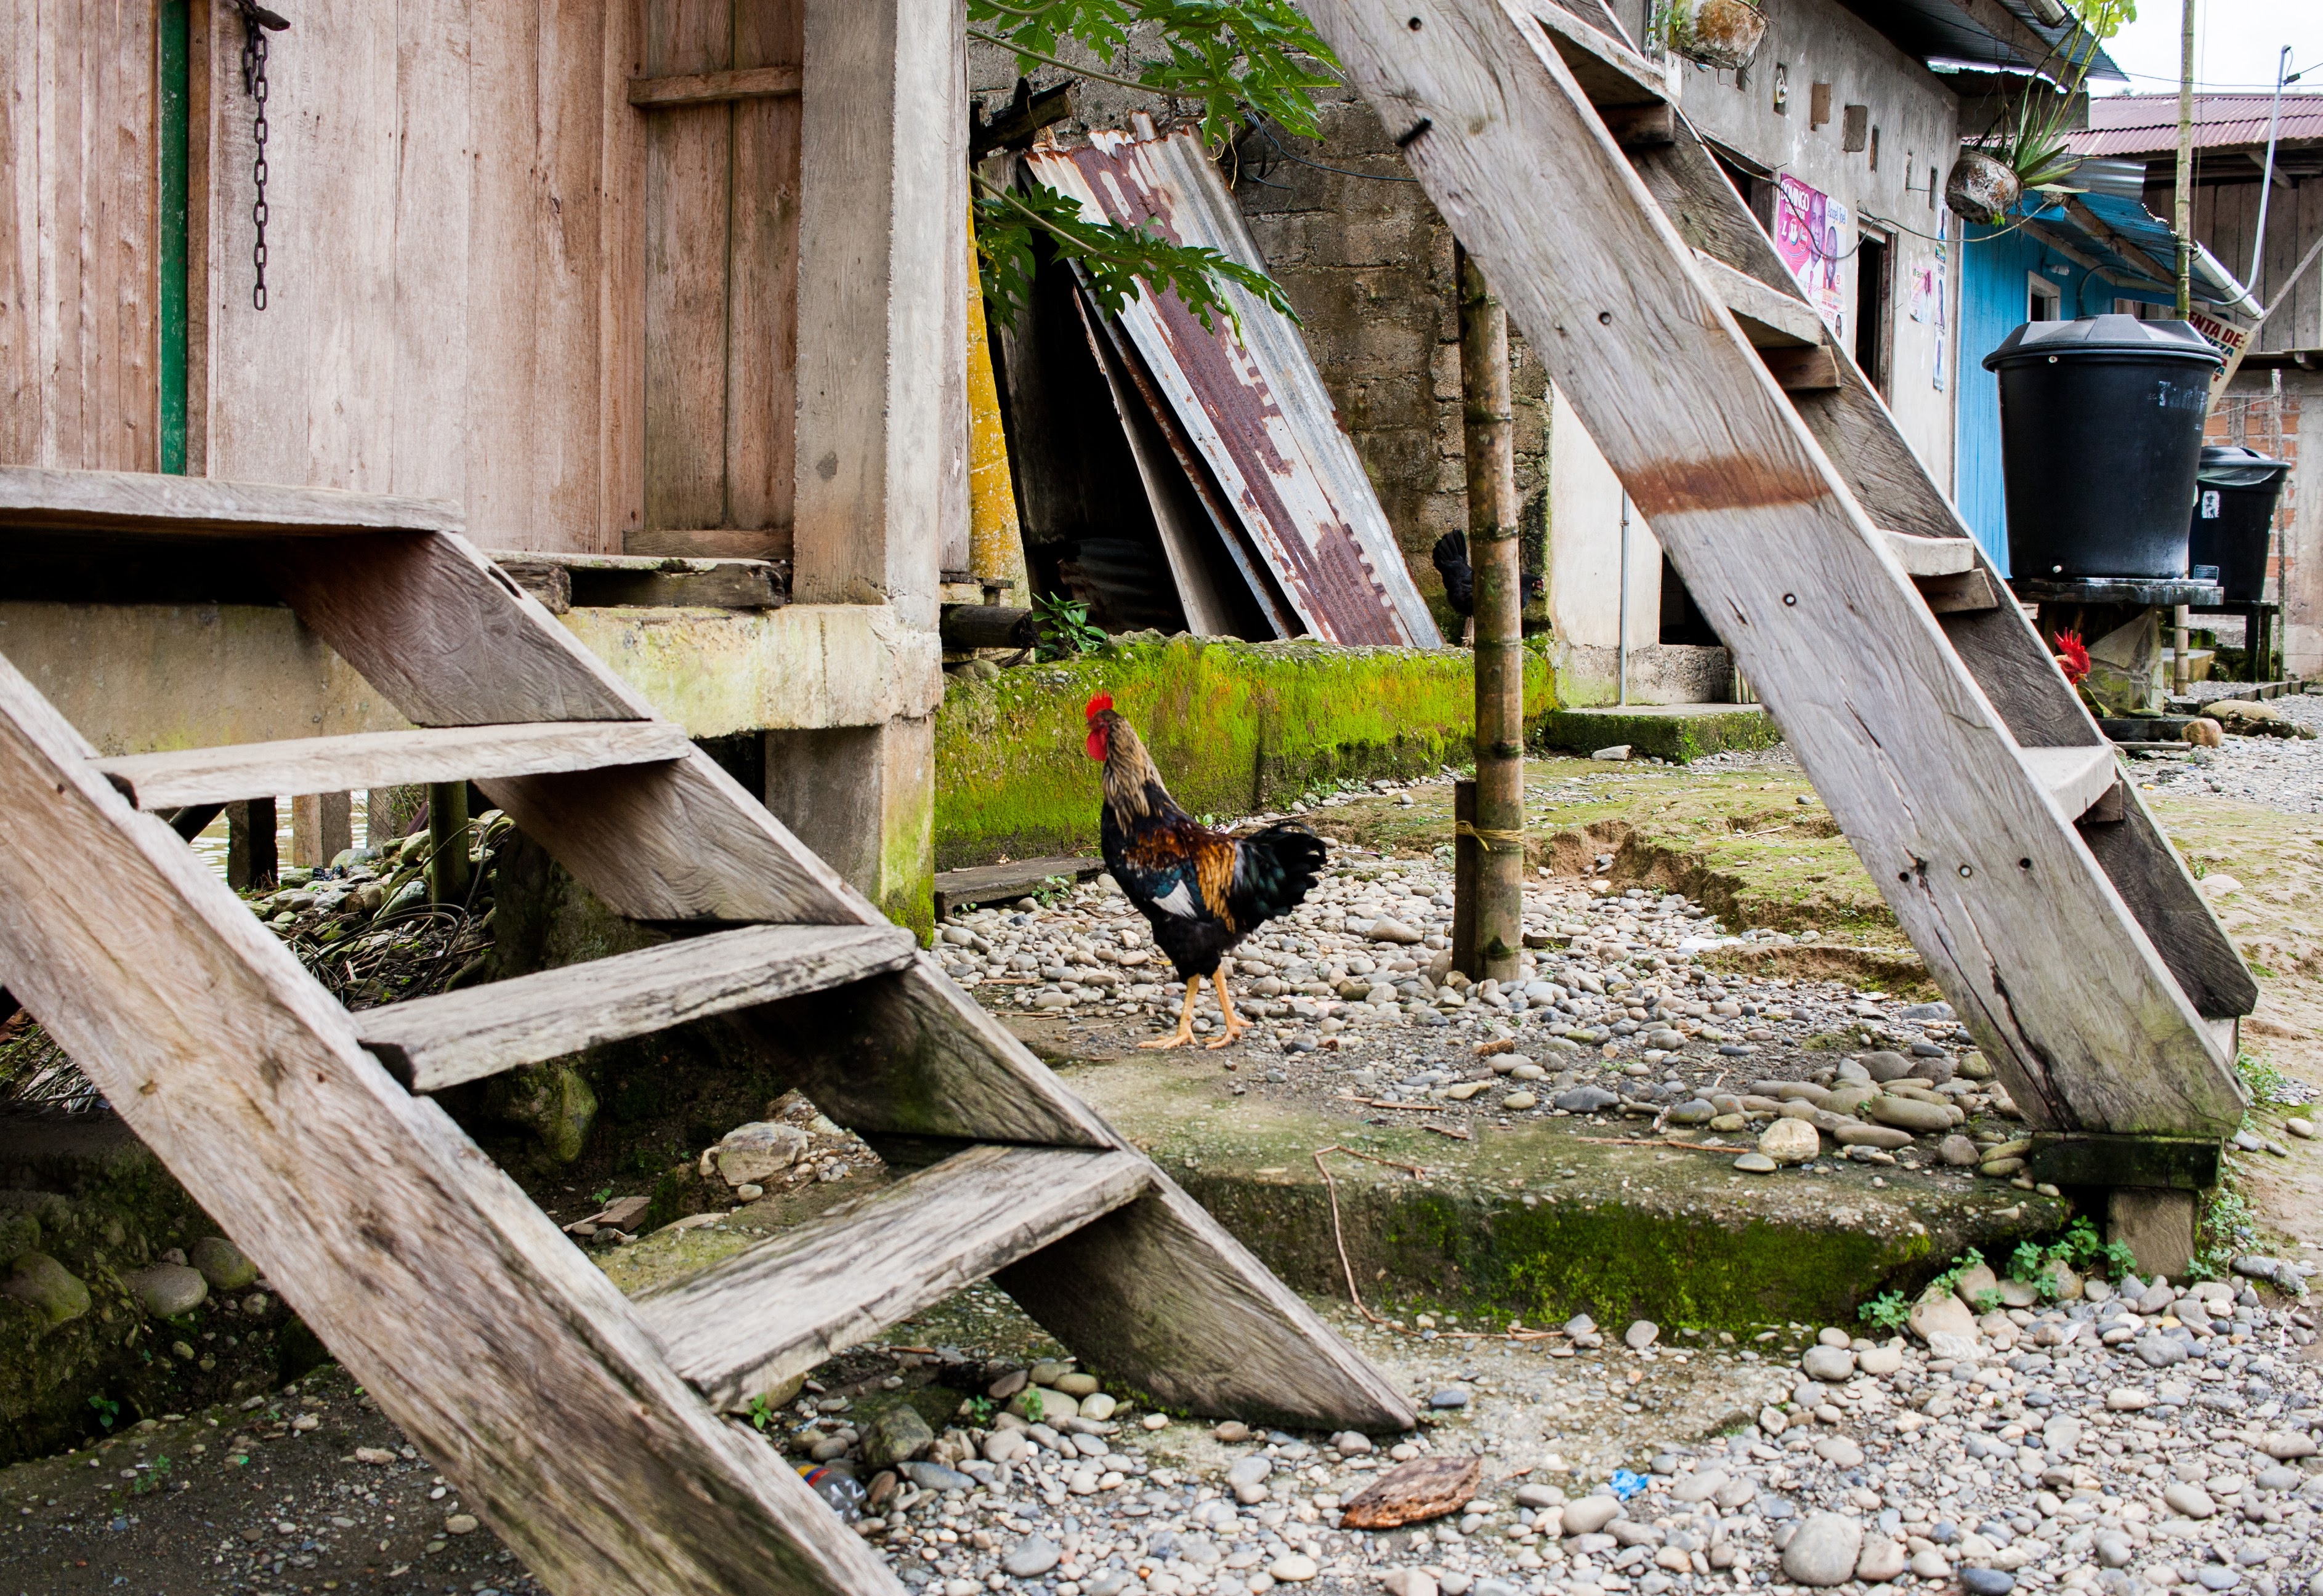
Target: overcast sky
x,y
2236,44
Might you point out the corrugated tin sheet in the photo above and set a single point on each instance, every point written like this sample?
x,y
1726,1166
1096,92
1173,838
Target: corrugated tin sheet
x,y
1253,404
1943,31
2147,123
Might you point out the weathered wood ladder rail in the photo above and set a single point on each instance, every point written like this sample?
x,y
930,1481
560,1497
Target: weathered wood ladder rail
x,y
2049,907
584,1427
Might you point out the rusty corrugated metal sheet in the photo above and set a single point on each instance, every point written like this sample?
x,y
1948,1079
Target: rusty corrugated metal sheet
x,y
2148,124
1253,404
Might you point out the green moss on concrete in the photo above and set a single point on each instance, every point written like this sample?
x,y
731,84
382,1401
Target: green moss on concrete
x,y
1235,728
1538,1221
1680,733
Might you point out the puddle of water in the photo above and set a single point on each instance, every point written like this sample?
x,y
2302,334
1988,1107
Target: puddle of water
x,y
210,846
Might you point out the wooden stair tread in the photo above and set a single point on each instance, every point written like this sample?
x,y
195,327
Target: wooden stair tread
x,y
434,1042
747,1324
365,759
2077,778
179,506
1931,556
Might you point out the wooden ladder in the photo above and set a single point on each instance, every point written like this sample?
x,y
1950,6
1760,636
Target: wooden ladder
x,y
584,1427
1979,792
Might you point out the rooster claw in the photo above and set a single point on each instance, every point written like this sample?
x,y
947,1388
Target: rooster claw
x,y
1233,1034
1175,1040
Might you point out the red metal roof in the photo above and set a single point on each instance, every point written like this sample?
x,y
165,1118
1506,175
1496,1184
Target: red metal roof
x,y
2147,123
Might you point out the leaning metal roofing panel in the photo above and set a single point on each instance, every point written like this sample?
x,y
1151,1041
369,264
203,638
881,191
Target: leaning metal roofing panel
x,y
1940,30
1254,402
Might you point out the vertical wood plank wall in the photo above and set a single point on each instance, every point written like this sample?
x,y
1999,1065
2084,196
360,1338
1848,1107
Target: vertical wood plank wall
x,y
78,344
2226,218
720,285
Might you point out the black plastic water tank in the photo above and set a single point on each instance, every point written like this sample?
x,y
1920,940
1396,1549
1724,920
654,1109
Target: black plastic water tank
x,y
2100,432
2234,516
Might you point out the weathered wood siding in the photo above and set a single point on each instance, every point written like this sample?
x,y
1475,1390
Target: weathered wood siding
x,y
77,339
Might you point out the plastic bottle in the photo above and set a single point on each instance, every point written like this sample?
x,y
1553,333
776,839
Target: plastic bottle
x,y
843,1492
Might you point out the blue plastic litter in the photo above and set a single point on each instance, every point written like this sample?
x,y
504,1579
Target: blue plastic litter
x,y
1626,1484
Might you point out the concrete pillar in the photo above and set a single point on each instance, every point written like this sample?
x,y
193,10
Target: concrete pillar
x,y
2302,533
882,404
2157,1225
322,825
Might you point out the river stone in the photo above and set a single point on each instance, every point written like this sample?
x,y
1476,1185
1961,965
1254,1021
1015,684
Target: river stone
x,y
2158,1351
1987,1582
1959,1152
168,1290
49,1286
1393,930
1824,1550
1855,1134
1076,1385
1099,1406
1908,1113
1413,1493
1789,1141
1885,1067
1294,1568
1882,1361
221,1264
896,1435
1832,1364
1586,1100
1251,1470
753,1154
929,1476
2190,1499
1942,1314
1756,1163
1034,1555
1408,1582
1699,1111
2284,1445
1840,1451
1590,1515
1974,1282
1882,1559
1054,1405
1518,1102
1641,1334
1699,1486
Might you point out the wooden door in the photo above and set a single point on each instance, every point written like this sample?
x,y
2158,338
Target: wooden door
x,y
721,276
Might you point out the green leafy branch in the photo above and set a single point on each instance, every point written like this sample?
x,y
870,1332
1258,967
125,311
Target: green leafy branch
x,y
1065,628
1226,55
1117,262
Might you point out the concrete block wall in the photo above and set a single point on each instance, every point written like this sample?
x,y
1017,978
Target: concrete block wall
x,y
2273,411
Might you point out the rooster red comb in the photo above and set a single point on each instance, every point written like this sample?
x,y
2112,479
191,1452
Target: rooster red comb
x,y
2072,657
1098,705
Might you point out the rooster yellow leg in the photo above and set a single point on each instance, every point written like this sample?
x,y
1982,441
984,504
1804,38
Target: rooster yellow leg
x,y
1184,1034
1236,1024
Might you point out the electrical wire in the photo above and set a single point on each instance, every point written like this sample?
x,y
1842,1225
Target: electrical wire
x,y
1258,126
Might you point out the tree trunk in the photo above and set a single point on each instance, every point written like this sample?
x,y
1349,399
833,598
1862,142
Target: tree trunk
x,y
1498,830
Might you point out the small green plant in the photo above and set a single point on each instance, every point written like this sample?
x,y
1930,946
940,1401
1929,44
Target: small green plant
x,y
1988,1301
152,1480
2265,1082
762,1412
2090,1254
2229,1228
107,1410
981,1411
1032,1405
1065,628
2028,1263
1950,1278
602,1196
1887,1311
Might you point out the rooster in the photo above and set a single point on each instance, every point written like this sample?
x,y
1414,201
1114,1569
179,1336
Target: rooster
x,y
2072,657
1201,892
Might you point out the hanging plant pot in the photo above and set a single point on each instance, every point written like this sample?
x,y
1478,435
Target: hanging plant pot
x,y
1715,33
1983,188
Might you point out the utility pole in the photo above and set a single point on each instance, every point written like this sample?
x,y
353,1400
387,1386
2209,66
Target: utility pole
x,y
1490,838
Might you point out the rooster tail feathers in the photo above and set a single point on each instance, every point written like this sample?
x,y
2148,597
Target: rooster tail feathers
x,y
1274,870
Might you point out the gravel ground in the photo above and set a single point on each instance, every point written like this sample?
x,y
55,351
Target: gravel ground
x,y
2281,772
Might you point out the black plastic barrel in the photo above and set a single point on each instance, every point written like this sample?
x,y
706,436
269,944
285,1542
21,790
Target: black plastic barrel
x,y
2100,433
2234,515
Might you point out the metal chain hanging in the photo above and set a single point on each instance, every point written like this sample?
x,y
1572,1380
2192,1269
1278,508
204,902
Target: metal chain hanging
x,y
257,22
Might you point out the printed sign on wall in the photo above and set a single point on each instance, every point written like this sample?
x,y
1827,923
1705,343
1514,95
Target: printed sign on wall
x,y
1812,234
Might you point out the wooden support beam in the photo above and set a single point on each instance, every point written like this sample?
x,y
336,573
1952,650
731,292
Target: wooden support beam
x,y
2079,209
748,1325
1641,127
2082,258
2076,778
1931,556
705,88
434,1042
367,760
1965,593
1772,317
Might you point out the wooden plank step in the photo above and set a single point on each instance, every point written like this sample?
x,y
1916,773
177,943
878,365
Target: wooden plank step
x,y
994,883
434,1042
2079,779
388,758
751,1323
1931,556
143,502
1771,318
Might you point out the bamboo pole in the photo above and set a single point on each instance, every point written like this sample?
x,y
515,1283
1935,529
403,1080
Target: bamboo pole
x,y
1488,436
448,869
2183,222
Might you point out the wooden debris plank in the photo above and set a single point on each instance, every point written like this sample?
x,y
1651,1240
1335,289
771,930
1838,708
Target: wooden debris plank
x,y
2076,778
751,1323
430,1275
145,502
1769,318
386,759
702,88
994,883
1904,747
434,1042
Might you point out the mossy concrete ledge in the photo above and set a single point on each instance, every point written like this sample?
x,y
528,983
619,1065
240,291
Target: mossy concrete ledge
x,y
1545,1218
1680,733
1235,728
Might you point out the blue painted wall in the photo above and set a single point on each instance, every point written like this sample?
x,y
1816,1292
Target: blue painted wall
x,y
1994,267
